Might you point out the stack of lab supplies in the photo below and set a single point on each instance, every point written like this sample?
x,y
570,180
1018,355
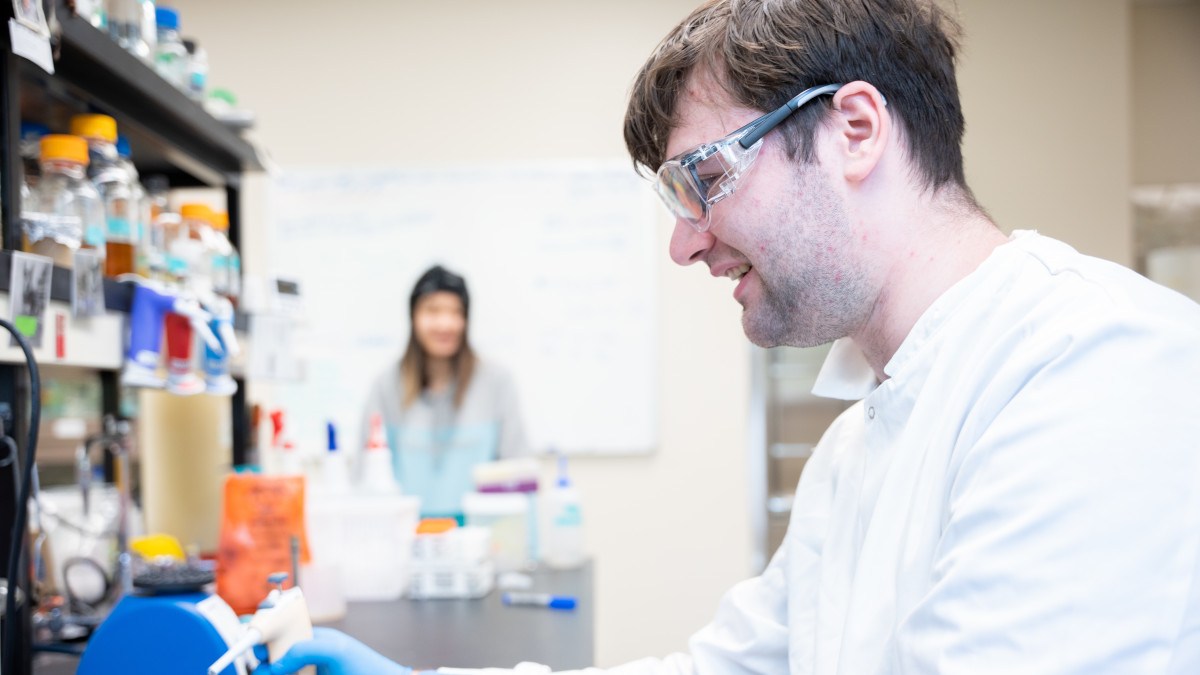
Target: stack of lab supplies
x,y
450,561
505,502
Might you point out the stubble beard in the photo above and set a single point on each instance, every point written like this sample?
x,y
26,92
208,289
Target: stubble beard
x,y
812,289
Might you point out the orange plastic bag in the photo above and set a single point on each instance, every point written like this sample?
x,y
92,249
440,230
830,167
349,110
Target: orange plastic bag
x,y
260,516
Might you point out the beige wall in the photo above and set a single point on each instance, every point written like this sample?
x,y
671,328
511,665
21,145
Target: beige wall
x,y
1166,92
1045,89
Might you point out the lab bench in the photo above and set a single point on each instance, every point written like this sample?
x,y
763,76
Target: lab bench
x,y
481,633
461,633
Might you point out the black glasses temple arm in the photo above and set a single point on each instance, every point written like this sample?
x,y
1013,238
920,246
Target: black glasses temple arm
x,y
768,122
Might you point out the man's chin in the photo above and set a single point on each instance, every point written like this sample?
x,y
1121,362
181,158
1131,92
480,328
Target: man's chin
x,y
758,334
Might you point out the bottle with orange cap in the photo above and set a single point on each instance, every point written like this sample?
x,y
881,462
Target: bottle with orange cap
x,y
116,191
65,204
190,247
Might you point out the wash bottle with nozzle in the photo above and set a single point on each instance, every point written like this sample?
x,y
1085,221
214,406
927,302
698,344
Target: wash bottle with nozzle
x,y
335,477
216,359
281,621
378,475
562,538
187,316
147,316
151,313
284,459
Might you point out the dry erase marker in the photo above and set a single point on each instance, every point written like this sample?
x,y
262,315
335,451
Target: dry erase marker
x,y
539,600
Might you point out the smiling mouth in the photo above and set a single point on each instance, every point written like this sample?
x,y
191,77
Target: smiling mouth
x,y
736,273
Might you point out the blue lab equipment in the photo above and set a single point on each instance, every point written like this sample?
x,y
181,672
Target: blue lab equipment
x,y
153,634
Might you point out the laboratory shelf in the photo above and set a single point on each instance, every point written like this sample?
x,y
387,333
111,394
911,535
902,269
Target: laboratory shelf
x,y
96,343
168,132
118,295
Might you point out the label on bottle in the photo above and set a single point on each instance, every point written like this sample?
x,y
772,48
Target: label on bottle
x,y
570,516
220,263
176,266
107,174
93,235
119,228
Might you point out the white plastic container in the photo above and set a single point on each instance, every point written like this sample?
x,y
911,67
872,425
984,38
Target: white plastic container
x,y
370,538
506,514
456,545
562,531
438,581
451,564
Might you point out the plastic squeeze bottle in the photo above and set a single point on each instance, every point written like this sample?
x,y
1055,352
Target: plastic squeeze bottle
x,y
378,476
563,535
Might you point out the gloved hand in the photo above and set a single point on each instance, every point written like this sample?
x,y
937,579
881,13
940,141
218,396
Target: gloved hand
x,y
333,653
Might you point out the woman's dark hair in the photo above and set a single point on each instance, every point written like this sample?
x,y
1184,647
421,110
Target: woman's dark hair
x,y
414,365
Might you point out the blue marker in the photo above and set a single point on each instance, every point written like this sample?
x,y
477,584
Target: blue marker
x,y
539,600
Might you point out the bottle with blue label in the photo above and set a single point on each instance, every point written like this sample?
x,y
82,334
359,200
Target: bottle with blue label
x,y
64,204
189,240
117,236
227,266
197,79
562,534
31,150
140,204
154,236
31,169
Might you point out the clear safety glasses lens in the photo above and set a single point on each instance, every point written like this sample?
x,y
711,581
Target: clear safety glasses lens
x,y
678,190
692,182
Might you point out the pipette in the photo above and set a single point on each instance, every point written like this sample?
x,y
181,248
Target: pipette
x,y
280,622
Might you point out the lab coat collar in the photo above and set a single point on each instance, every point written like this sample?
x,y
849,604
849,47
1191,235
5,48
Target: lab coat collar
x,y
846,375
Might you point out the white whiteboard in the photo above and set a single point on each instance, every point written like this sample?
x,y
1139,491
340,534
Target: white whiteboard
x,y
561,263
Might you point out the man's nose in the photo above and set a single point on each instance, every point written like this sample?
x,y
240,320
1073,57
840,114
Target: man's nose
x,y
688,245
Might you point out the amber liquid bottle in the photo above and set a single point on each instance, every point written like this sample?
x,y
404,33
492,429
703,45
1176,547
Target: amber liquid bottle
x,y
120,258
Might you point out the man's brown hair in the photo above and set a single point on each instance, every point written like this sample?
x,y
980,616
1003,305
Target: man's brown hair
x,y
764,52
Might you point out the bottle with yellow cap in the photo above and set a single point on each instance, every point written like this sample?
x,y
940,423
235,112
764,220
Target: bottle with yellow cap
x,y
113,182
64,204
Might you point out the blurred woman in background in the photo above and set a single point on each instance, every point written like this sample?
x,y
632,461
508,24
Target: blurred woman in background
x,y
444,409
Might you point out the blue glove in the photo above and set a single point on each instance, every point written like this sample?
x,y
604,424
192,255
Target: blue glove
x,y
333,653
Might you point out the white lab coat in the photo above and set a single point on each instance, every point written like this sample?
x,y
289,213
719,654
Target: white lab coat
x,y
1022,495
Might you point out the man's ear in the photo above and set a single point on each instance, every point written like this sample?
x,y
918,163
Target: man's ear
x,y
863,127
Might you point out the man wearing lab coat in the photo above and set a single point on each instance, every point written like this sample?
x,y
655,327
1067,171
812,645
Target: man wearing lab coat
x,y
1018,488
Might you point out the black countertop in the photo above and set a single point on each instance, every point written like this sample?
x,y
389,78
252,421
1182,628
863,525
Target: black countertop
x,y
460,633
481,633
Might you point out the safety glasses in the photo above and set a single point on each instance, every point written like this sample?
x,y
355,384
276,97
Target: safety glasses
x,y
692,181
